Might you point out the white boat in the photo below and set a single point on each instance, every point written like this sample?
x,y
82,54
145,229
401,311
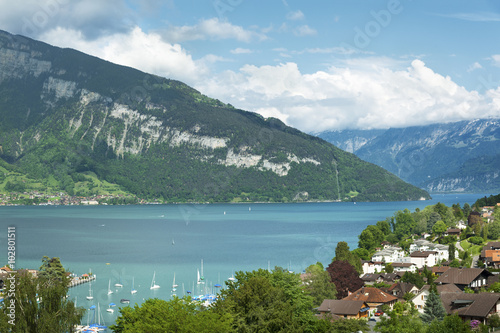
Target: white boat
x,y
110,308
153,283
90,297
174,286
109,288
119,284
232,279
133,291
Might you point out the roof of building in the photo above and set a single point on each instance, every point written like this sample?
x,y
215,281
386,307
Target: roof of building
x,y
402,264
439,269
341,306
422,254
401,287
469,305
370,295
461,275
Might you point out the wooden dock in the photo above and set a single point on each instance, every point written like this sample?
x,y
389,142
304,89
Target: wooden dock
x,y
81,279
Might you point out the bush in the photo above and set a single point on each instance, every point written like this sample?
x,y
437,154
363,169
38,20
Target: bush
x,y
476,240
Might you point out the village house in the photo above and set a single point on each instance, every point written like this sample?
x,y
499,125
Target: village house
x,y
472,306
438,270
370,267
464,277
421,296
490,254
461,225
388,255
425,245
399,289
424,258
404,267
453,232
373,297
339,308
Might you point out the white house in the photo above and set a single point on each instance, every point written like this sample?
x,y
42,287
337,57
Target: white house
x,y
424,258
425,245
390,254
404,267
370,267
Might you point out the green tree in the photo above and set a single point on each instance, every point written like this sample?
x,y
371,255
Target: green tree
x,y
467,209
433,309
404,224
51,268
349,325
384,226
175,315
439,228
342,253
366,240
41,305
449,324
318,284
433,218
494,230
262,301
451,251
389,268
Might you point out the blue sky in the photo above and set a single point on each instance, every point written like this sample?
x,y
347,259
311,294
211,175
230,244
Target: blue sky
x,y
316,65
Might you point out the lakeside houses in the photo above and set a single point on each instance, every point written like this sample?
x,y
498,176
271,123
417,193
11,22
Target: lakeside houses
x,y
425,245
490,254
422,295
334,309
473,278
462,225
370,279
373,297
371,267
389,254
399,289
423,259
471,306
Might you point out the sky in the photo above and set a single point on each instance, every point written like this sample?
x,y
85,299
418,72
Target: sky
x,y
317,65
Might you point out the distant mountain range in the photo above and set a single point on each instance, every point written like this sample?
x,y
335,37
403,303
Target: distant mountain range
x,y
74,123
454,157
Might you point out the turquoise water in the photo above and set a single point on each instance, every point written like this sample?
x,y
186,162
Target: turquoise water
x,y
137,241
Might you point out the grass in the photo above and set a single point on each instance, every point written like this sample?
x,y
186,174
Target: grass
x,y
471,248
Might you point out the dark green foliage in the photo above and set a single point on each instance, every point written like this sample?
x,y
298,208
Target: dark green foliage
x,y
54,313
318,284
434,309
492,200
451,251
476,240
175,315
414,278
342,253
349,325
451,323
262,301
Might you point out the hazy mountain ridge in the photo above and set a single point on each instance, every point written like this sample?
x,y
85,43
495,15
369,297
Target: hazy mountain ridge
x,y
65,113
427,156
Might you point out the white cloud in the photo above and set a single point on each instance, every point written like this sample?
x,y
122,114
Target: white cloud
x,y
358,96
304,30
211,29
144,51
295,16
475,17
474,66
496,59
240,50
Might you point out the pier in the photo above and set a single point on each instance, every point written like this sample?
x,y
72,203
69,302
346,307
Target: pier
x,y
77,280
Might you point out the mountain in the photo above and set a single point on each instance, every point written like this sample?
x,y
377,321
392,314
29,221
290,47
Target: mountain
x,y
67,115
452,157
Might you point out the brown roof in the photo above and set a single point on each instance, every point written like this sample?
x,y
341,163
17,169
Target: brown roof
x,y
422,254
371,277
453,230
402,264
341,307
370,295
439,269
448,288
400,288
461,275
470,305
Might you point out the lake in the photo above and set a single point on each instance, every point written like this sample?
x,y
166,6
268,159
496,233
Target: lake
x,y
125,243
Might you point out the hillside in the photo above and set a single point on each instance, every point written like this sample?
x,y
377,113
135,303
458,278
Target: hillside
x,y
66,115
452,157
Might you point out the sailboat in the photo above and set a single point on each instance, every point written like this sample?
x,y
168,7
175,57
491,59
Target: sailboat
x,y
109,288
90,297
232,279
110,309
153,284
202,277
119,284
174,286
133,291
